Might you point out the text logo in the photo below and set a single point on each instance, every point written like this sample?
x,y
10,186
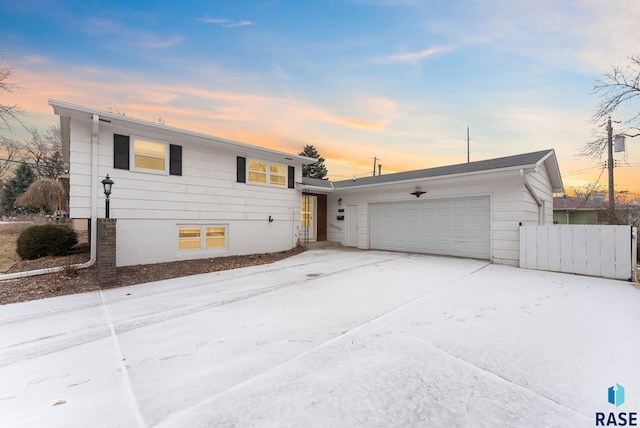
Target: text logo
x,y
616,395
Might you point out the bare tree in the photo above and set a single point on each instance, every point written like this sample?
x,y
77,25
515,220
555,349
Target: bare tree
x,y
616,88
44,152
586,191
10,151
8,112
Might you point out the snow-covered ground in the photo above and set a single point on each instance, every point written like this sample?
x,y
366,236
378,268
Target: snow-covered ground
x,y
327,338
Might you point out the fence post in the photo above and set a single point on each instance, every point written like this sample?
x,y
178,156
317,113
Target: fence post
x,y
634,254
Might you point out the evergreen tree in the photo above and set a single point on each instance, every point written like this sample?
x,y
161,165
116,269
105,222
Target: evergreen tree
x,y
15,187
316,169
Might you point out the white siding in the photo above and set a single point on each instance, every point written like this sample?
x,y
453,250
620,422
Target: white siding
x,y
80,170
510,205
148,206
142,241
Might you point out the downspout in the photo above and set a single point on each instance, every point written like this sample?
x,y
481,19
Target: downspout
x,y
535,197
94,214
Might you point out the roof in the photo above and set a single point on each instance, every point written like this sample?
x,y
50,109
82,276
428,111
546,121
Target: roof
x,y
62,108
573,204
317,183
526,161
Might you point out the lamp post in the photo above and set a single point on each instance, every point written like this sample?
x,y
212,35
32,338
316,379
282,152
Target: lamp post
x,y
107,183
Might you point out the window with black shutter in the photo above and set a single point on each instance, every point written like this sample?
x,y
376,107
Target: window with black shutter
x,y
148,155
175,159
291,177
120,151
241,169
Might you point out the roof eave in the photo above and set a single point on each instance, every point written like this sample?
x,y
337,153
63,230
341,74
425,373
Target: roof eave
x,y
555,177
441,177
61,107
307,187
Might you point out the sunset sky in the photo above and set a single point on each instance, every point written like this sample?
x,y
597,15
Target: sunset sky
x,y
396,79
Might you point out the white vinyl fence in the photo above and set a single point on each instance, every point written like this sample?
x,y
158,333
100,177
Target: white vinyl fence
x,y
595,250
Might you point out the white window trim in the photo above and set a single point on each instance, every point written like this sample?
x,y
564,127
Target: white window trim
x,y
268,174
132,155
203,238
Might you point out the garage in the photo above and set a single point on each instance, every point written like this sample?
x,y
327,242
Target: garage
x,y
454,227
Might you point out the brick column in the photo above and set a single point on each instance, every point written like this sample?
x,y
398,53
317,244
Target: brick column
x,y
106,245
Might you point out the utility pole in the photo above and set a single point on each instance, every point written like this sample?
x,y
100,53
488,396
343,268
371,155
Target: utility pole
x,y
375,159
467,144
610,165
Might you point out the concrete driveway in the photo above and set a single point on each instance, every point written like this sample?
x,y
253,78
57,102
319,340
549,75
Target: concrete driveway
x,y
327,338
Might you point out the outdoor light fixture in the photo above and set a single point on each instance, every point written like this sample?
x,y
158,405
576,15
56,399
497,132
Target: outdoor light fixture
x,y
340,201
107,183
418,192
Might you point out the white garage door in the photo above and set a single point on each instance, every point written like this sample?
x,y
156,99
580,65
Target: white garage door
x,y
457,227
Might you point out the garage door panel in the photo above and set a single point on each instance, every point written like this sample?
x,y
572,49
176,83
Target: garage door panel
x,y
460,234
459,227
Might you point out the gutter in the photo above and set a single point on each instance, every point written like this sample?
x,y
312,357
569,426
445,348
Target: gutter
x,y
535,197
94,215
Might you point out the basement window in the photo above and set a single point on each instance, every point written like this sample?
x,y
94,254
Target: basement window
x,y
202,237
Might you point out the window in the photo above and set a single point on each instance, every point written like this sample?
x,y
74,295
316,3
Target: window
x,y
278,174
189,238
216,237
150,155
267,173
257,171
146,155
202,237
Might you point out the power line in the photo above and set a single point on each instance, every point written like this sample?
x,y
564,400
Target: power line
x,y
579,171
595,186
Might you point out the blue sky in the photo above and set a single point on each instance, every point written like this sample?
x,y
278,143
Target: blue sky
x,y
396,79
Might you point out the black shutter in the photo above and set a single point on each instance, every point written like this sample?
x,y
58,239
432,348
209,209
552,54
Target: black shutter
x,y
292,177
175,159
241,164
120,151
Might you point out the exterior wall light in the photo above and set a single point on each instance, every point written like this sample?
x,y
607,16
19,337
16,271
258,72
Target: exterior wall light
x,y
418,192
340,201
106,184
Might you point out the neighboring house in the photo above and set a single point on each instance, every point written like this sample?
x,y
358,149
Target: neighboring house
x,y
568,210
178,194
468,210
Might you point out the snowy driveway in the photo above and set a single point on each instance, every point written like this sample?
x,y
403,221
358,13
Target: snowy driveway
x,y
327,338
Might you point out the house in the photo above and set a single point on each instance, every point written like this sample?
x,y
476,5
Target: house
x,y
571,210
179,194
470,210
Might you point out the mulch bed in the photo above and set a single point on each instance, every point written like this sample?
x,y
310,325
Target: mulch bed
x,y
71,280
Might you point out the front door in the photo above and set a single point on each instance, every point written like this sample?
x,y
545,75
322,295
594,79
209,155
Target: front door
x,y
308,218
352,225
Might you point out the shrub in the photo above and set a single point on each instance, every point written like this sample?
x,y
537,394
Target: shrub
x,y
45,240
